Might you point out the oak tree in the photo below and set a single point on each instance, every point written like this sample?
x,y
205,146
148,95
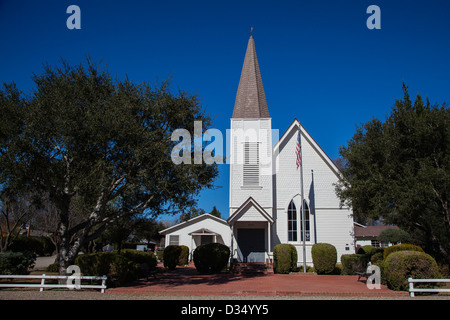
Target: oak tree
x,y
399,170
99,147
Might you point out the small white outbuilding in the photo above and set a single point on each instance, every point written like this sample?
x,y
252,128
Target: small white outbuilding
x,y
202,229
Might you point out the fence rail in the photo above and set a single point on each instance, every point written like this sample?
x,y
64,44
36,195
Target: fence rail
x,y
412,290
44,277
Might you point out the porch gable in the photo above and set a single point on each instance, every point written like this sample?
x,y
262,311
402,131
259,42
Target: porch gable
x,y
250,210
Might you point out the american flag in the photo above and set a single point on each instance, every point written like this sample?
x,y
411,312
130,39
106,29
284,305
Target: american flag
x,y
298,150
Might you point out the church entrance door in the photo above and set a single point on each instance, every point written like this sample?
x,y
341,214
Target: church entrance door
x,y
251,243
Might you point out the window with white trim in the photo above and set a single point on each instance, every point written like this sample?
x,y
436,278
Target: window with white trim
x,y
307,224
174,240
379,244
292,222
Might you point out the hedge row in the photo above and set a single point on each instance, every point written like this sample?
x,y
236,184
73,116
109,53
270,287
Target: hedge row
x,y
120,268
397,263
208,258
41,246
324,256
352,263
16,262
401,247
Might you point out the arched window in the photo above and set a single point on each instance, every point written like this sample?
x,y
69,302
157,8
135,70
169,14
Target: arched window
x,y
292,222
307,224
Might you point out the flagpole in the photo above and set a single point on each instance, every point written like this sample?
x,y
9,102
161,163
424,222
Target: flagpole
x,y
303,202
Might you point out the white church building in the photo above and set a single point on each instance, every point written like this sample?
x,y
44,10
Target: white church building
x,y
265,196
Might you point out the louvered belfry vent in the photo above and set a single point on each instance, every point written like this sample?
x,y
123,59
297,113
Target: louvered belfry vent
x,y
251,164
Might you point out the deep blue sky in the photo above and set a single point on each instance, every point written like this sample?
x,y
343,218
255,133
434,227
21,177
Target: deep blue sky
x,y
319,62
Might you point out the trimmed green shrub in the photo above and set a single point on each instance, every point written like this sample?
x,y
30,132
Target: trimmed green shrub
x,y
41,246
401,247
123,270
54,267
23,243
184,256
352,263
211,257
377,258
171,256
324,256
284,258
401,265
117,267
367,250
140,257
95,264
309,269
338,270
146,261
294,257
16,262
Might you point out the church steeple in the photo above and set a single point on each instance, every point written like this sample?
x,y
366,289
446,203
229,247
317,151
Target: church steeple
x,y
250,98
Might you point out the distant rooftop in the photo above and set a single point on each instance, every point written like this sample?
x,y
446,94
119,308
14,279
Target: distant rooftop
x,y
370,231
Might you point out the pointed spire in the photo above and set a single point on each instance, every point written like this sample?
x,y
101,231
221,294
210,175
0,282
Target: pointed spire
x,y
250,97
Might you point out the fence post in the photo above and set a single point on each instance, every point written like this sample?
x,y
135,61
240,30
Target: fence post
x,y
103,283
411,287
42,283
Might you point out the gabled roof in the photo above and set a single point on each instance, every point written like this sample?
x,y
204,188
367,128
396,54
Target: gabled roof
x,y
252,202
250,98
191,221
294,126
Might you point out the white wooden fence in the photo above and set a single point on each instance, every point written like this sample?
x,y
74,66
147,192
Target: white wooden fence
x,y
44,277
412,290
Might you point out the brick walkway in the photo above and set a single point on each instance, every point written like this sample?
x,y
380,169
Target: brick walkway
x,y
187,281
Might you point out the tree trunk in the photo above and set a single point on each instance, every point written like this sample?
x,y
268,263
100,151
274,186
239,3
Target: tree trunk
x,y
63,237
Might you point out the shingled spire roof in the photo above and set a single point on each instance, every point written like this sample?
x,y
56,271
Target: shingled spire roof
x,y
250,97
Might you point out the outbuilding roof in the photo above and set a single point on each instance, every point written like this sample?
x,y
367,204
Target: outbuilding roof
x,y
361,231
192,221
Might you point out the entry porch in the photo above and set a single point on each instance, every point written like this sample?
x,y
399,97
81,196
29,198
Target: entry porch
x,y
251,230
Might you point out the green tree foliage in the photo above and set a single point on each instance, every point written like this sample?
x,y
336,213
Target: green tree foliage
x,y
215,212
400,170
195,212
191,213
147,229
394,236
100,146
